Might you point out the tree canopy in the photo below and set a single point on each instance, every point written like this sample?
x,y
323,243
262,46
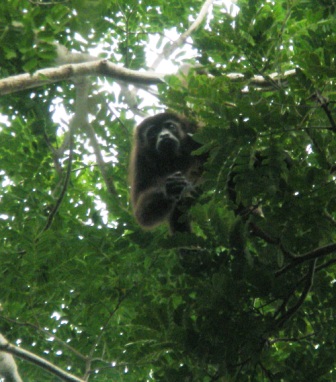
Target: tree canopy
x,y
86,294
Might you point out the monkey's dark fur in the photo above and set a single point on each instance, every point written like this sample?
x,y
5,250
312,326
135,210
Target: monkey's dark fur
x,y
163,171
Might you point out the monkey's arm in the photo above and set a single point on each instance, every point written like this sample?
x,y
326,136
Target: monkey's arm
x,y
155,204
153,207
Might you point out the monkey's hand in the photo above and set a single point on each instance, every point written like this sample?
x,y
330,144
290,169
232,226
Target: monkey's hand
x,y
177,185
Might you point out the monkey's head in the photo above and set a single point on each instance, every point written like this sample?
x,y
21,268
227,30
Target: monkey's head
x,y
163,134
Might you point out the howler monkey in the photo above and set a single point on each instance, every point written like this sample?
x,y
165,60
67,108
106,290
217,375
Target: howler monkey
x,y
162,170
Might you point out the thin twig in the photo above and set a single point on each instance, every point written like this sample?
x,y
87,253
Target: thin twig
x,y
64,189
169,49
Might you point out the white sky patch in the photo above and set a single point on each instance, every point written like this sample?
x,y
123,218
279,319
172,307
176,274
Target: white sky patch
x,y
170,65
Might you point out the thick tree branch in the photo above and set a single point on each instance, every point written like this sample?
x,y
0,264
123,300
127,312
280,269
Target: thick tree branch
x,y
32,358
257,231
47,76
65,72
315,254
8,368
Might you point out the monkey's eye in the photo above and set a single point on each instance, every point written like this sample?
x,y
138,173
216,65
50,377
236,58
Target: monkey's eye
x,y
152,132
172,126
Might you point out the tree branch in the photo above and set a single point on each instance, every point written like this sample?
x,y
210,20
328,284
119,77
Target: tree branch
x,y
33,358
47,76
64,188
293,339
315,254
8,367
169,49
310,279
45,332
257,231
65,72
325,106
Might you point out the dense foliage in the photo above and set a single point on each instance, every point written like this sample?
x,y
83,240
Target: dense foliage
x,y
249,296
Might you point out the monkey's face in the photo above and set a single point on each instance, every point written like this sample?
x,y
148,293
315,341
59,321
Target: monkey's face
x,y
164,138
167,138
